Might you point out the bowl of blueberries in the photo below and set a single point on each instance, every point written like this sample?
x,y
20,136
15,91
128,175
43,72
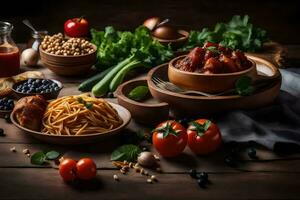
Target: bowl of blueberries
x,y
6,106
48,88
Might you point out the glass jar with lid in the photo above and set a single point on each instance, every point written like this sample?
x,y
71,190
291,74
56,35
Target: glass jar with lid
x,y
9,52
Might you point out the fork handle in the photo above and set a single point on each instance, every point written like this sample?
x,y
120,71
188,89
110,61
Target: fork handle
x,y
196,92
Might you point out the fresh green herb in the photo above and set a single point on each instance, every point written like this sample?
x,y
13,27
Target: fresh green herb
x,y
238,33
201,128
41,157
88,105
213,49
52,155
127,152
38,158
138,93
126,51
243,86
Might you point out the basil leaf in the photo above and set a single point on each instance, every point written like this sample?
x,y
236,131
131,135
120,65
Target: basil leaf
x,y
88,105
52,155
127,152
38,158
243,86
138,93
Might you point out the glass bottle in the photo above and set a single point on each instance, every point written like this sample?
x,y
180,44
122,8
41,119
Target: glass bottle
x,y
36,39
9,52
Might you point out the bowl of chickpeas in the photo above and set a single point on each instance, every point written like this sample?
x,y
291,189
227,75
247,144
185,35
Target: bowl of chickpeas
x,y
67,57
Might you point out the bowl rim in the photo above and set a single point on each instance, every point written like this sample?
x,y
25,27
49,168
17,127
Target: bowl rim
x,y
62,56
181,31
121,95
191,97
32,94
172,65
123,125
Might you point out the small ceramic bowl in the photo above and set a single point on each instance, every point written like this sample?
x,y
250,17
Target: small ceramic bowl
x,y
68,65
210,83
47,96
149,111
175,43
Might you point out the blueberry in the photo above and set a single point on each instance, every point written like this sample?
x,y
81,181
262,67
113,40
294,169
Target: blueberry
x,y
30,80
193,173
203,175
201,182
252,153
47,90
56,88
229,160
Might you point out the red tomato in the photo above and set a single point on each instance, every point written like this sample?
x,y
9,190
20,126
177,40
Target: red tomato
x,y
86,169
169,138
204,137
76,27
67,169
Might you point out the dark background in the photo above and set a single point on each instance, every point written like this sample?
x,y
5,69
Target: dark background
x,y
279,18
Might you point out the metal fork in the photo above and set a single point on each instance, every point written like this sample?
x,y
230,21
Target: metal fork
x,y
166,85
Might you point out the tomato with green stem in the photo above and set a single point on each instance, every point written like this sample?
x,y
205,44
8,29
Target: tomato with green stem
x,y
204,137
169,138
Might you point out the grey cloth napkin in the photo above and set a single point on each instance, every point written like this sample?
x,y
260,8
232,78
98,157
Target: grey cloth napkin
x,y
270,126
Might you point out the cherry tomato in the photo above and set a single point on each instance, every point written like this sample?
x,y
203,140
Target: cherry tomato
x,y
86,169
76,27
67,169
204,137
169,138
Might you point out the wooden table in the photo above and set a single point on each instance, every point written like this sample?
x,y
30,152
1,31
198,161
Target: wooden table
x,y
270,177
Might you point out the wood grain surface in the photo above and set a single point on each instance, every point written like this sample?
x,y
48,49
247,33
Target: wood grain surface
x,y
272,176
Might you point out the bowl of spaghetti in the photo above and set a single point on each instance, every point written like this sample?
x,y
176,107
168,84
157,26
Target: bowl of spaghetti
x,y
77,119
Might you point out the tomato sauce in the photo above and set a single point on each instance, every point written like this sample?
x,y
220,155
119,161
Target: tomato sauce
x,y
9,61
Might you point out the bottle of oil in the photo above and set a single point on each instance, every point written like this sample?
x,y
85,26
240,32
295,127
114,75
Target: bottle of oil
x,y
9,52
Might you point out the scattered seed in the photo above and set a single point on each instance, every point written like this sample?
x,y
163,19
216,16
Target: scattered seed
x,y
125,162
153,178
28,155
149,180
13,149
122,171
146,173
137,169
130,165
116,178
26,151
142,171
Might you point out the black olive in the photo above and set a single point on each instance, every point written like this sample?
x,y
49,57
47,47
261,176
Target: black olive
x,y
2,132
193,173
201,182
252,153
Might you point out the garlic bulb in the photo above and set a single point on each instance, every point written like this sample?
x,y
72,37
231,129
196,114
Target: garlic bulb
x,y
29,57
146,159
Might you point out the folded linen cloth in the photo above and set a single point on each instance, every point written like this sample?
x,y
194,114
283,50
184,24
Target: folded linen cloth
x,y
278,123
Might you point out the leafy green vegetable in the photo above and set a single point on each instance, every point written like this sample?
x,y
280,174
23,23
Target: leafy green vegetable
x,y
41,157
127,152
138,93
38,158
126,51
88,105
238,33
52,155
243,86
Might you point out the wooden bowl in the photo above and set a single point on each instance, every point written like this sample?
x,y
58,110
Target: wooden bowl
x,y
80,139
68,65
188,105
47,96
210,83
175,43
148,112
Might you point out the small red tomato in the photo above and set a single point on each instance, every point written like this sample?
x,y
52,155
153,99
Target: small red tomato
x,y
169,138
76,27
204,137
86,169
67,169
